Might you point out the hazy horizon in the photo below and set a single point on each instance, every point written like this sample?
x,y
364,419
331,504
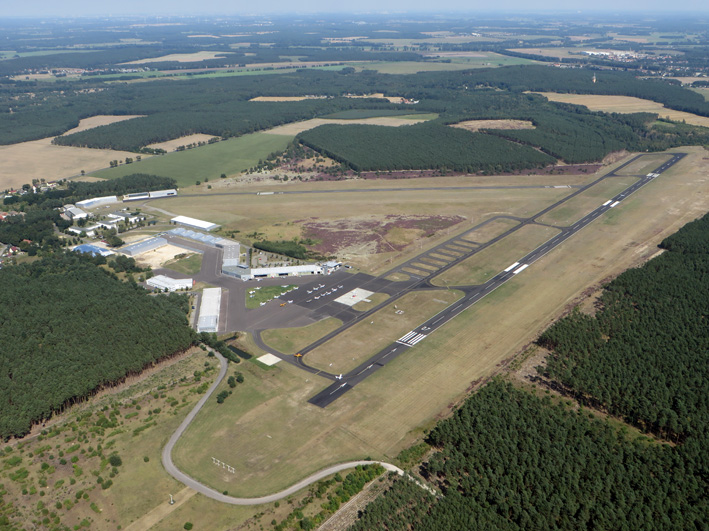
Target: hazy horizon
x,y
89,8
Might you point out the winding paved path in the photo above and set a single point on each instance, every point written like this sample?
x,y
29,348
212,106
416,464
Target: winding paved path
x,y
216,495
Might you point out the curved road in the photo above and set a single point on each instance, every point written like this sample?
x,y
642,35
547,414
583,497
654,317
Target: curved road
x,y
216,495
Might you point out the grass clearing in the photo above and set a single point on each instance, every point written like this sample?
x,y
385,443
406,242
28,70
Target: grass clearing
x,y
360,342
484,265
262,294
291,340
626,104
580,205
206,162
189,265
490,230
371,302
644,165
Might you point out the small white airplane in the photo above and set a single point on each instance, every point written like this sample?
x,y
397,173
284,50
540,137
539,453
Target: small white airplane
x,y
339,377
310,291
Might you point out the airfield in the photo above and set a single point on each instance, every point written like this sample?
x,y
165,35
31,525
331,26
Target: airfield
x,y
321,297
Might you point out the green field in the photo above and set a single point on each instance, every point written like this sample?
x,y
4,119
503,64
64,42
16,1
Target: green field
x,y
189,265
291,340
207,162
256,296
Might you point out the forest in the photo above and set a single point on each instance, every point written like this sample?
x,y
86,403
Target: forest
x,y
69,327
371,147
508,459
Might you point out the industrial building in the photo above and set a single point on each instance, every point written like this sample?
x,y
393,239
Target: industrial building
x,y
143,246
162,283
158,194
209,310
74,213
96,201
93,249
194,223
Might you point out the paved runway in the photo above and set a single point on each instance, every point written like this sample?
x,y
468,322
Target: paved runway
x,y
475,293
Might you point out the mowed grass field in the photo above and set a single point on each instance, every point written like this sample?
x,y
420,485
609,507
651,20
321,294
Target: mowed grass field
x,y
291,340
487,263
360,342
626,104
207,162
644,165
276,437
580,205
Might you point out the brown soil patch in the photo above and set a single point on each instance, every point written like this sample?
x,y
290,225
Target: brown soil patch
x,y
171,145
157,257
476,125
373,235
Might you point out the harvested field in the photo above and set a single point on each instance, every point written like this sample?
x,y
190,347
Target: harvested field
x,y
626,104
391,233
283,98
476,125
180,58
298,127
40,159
171,145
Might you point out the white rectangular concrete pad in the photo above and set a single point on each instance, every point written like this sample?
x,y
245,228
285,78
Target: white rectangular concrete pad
x,y
269,359
353,297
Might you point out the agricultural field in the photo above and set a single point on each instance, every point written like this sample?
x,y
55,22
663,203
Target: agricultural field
x,y
626,104
206,162
52,162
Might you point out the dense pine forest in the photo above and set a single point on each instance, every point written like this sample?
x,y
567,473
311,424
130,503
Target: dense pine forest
x,y
69,327
508,459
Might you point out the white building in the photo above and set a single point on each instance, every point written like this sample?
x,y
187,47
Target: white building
x,y
209,310
75,213
96,201
194,223
163,283
89,230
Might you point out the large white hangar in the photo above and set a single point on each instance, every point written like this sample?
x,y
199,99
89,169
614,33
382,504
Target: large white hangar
x,y
209,310
194,223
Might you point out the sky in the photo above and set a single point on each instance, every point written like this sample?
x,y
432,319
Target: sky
x,y
73,8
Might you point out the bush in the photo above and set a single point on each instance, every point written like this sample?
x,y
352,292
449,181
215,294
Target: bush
x,y
115,460
188,525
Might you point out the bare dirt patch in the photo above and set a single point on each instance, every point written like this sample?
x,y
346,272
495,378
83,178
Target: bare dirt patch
x,y
172,145
476,125
286,98
376,235
157,257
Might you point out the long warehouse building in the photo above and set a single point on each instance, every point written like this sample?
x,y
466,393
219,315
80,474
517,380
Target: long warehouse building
x,y
209,310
